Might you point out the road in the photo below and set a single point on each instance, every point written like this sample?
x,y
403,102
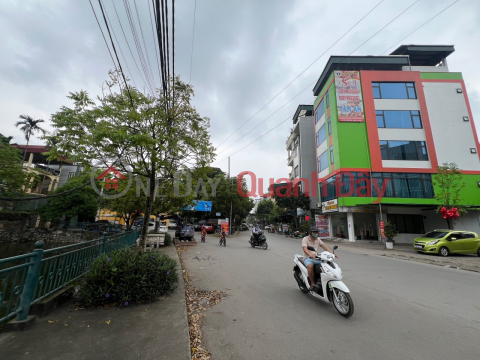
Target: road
x,y
403,310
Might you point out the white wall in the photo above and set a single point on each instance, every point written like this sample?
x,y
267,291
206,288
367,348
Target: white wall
x,y
412,164
452,136
442,69
397,104
402,134
469,222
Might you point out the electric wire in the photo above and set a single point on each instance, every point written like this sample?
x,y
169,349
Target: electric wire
x,y
352,52
308,67
155,45
129,48
160,41
193,37
115,51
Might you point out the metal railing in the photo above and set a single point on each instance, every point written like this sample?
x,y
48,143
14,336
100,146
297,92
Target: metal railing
x,y
29,278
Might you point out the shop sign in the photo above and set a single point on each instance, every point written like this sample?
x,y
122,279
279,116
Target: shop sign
x,y
330,206
382,229
349,96
225,226
367,209
322,223
285,227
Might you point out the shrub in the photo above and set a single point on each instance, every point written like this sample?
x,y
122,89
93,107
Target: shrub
x,y
168,239
127,276
390,231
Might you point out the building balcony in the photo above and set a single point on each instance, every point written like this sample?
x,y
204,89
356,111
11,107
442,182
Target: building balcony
x,y
290,160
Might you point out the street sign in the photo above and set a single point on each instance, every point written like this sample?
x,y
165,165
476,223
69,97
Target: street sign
x,y
218,214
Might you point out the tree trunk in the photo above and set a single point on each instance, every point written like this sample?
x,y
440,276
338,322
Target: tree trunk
x,y
449,224
148,211
26,148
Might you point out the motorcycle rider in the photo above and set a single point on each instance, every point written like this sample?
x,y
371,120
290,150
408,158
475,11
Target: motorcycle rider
x,y
310,256
256,232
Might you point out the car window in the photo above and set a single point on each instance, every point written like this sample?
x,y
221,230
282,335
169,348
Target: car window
x,y
468,235
435,234
457,236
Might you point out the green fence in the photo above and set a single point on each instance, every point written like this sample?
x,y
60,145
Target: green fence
x,y
27,279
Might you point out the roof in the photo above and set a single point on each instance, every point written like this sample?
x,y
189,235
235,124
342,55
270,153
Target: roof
x,y
308,111
424,55
38,157
387,62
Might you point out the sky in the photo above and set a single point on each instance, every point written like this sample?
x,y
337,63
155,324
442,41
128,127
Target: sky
x,y
244,53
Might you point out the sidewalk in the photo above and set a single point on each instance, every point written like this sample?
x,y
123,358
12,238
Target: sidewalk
x,y
406,252
157,330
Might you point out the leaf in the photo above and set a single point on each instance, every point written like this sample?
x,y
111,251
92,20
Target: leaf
x,y
50,321
66,324
107,322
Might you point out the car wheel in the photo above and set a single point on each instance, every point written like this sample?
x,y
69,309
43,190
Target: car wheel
x,y
444,251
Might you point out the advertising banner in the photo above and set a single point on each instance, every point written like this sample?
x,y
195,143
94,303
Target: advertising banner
x,y
330,206
322,222
382,229
225,226
285,227
200,205
349,96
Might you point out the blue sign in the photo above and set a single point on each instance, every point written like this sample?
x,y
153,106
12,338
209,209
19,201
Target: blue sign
x,y
200,205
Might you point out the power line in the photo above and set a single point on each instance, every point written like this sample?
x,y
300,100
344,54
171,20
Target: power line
x,y
308,67
129,48
119,47
158,23
144,45
173,49
193,37
352,52
106,43
116,55
155,45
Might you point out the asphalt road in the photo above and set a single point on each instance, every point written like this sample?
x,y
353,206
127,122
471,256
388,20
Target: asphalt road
x,y
403,310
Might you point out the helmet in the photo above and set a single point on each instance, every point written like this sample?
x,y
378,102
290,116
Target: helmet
x,y
313,229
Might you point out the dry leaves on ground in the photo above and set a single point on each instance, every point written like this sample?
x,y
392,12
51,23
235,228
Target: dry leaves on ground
x,y
197,303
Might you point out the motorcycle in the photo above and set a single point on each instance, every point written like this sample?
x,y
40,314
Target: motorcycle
x,y
328,286
261,241
243,227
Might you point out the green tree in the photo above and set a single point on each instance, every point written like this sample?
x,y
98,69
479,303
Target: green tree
x,y
265,207
29,127
156,138
292,202
82,202
12,175
448,186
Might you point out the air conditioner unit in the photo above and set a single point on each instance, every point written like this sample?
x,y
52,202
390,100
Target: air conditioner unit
x,y
319,205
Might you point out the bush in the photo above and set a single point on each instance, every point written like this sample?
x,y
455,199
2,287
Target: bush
x,y
127,276
168,239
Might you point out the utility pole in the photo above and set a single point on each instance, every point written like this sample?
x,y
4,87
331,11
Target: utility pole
x,y
230,218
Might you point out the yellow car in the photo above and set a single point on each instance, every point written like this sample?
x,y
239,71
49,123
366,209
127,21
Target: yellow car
x,y
446,242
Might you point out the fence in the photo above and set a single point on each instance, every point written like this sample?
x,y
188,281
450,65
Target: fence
x,y
27,279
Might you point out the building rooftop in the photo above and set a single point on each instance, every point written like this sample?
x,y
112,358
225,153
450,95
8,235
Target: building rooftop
x,y
303,110
425,55
404,55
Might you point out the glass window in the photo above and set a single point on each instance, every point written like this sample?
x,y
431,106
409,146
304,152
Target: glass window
x,y
416,188
329,123
321,135
380,119
394,91
403,150
401,188
296,171
327,96
409,224
398,119
331,154
320,110
323,161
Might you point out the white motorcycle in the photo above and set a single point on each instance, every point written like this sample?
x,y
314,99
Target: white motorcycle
x,y
328,281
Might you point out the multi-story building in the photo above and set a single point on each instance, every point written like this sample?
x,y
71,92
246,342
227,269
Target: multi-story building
x,y
391,121
301,150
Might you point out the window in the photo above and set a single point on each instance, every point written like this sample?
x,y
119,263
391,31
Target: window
x,y
404,185
407,224
329,124
329,193
403,150
398,119
394,91
295,152
323,161
320,110
468,236
321,135
327,101
71,174
331,154
296,171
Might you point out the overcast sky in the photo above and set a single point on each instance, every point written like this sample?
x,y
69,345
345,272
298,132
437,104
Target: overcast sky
x,y
244,53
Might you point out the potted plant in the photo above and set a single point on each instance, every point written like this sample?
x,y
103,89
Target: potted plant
x,y
390,233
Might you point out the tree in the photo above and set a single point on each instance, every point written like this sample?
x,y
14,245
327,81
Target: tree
x,y
292,202
448,185
155,138
29,126
82,202
265,207
12,175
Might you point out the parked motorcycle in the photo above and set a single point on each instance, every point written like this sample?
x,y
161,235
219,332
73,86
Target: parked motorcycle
x,y
261,241
243,227
328,286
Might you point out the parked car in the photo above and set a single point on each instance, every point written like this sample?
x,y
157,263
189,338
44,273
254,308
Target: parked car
x,y
172,225
210,228
197,227
187,233
446,242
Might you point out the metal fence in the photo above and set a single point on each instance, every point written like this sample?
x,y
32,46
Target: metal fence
x,y
27,279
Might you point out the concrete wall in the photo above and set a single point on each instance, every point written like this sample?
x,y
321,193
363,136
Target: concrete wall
x,y
308,155
452,136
